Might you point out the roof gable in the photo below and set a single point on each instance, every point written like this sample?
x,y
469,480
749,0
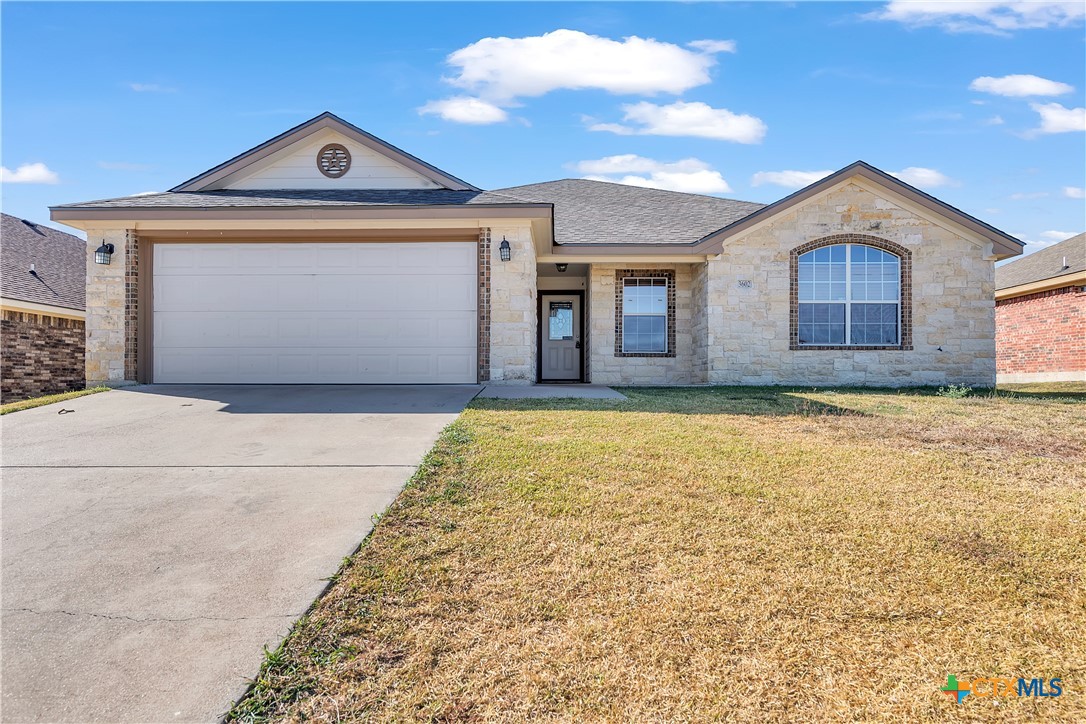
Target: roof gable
x,y
289,161
1004,245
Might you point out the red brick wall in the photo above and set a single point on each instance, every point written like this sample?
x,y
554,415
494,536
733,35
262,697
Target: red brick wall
x,y
41,355
1042,332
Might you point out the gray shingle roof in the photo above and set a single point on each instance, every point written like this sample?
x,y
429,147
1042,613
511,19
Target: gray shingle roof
x,y
59,259
293,198
598,212
585,212
1044,264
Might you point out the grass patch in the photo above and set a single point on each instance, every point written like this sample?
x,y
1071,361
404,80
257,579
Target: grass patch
x,y
1075,389
718,553
9,407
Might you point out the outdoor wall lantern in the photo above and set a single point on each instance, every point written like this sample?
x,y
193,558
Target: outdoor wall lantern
x,y
561,268
504,249
103,254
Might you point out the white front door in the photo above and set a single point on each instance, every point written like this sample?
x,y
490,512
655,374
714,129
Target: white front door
x,y
315,312
561,337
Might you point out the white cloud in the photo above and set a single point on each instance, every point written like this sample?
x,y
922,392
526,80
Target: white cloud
x,y
686,119
1057,119
998,17
502,69
925,178
1023,196
463,109
1018,86
1057,236
690,175
150,88
993,121
29,173
1074,192
713,46
788,179
1046,238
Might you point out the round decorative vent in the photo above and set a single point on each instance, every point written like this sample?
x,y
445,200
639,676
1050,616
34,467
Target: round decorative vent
x,y
333,160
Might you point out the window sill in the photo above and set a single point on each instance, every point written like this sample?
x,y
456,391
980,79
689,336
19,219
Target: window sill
x,y
644,354
850,347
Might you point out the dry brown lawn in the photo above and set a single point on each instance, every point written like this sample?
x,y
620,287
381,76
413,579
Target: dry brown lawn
x,y
698,554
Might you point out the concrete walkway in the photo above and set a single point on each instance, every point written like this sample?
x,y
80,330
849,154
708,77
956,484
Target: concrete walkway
x,y
539,392
157,538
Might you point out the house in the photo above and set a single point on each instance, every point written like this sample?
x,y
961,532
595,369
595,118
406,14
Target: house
x,y
328,255
1041,315
43,273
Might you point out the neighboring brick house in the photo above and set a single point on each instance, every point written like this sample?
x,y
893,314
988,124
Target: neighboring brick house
x,y
328,255
42,297
1041,315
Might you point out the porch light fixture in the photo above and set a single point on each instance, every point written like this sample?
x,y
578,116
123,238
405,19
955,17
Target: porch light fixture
x,y
103,254
505,250
561,268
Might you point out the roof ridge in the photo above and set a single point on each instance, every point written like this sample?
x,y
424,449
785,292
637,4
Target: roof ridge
x,y
651,189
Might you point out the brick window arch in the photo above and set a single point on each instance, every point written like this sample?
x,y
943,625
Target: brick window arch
x,y
843,312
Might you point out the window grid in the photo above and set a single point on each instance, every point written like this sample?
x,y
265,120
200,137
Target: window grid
x,y
668,276
644,315
823,272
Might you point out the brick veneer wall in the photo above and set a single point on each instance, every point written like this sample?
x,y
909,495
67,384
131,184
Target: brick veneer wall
x,y
1042,336
483,343
131,305
42,355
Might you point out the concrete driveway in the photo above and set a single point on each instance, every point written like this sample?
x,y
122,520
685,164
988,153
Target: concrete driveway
x,y
156,538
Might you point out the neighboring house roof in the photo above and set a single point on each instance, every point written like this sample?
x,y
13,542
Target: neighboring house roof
x,y
59,261
599,212
1044,264
334,122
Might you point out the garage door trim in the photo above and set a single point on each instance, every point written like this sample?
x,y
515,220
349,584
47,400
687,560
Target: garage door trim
x,y
140,344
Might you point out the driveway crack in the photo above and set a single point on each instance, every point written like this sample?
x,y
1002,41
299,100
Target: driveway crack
x,y
121,617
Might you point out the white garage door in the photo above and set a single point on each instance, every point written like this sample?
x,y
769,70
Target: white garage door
x,y
315,313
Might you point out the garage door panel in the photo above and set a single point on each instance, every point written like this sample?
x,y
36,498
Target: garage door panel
x,y
335,313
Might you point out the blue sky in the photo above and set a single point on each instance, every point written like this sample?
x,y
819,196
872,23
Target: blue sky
x,y
982,108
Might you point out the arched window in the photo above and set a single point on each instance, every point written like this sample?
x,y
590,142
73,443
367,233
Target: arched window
x,y
848,295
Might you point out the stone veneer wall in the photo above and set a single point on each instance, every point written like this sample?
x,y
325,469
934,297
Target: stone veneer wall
x,y
699,320
609,369
106,313
42,355
512,307
953,332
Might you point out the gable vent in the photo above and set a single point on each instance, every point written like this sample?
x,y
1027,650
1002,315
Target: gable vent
x,y
333,160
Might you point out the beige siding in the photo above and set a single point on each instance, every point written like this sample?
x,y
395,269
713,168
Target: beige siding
x,y
295,167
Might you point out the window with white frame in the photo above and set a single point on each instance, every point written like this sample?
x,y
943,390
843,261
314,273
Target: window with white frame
x,y
644,315
849,295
